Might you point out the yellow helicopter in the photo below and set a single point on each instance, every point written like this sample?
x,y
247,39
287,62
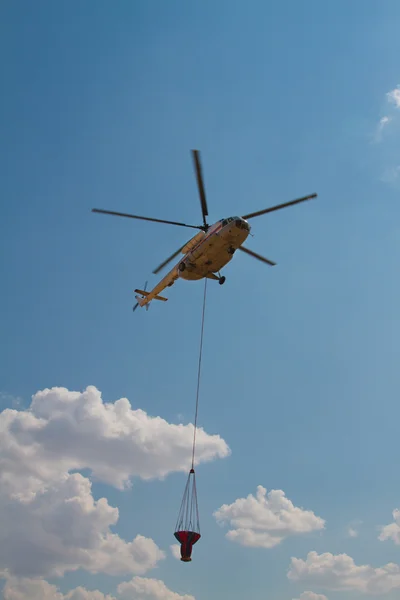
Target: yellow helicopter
x,y
205,254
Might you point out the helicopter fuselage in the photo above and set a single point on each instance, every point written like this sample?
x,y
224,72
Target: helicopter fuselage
x,y
204,256
215,249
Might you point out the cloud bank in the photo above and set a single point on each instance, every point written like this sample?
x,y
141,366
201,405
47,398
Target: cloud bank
x,y
66,431
148,589
340,573
311,596
139,588
392,531
175,551
265,520
49,521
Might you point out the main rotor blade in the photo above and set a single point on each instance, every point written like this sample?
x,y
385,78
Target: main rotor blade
x,y
278,206
164,264
118,214
258,256
200,184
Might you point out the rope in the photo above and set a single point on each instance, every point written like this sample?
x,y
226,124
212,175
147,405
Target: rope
x,y
199,370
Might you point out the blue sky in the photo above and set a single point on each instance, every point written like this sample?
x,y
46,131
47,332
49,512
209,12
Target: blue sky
x,y
101,105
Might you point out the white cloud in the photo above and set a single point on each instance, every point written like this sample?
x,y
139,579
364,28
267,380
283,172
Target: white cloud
x,y
394,96
265,520
353,528
141,588
60,528
49,520
340,573
381,126
351,532
311,596
66,431
392,531
175,551
81,593
34,589
39,589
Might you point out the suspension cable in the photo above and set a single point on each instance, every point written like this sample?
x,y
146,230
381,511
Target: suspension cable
x,y
199,370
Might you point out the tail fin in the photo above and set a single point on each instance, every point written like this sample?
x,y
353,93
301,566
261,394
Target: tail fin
x,y
144,293
141,300
139,303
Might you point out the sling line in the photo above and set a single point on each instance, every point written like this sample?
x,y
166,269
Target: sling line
x,y
199,370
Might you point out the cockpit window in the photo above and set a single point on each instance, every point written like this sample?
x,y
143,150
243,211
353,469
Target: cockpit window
x,y
238,220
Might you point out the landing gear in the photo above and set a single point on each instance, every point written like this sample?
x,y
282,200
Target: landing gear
x,y
231,250
182,267
219,278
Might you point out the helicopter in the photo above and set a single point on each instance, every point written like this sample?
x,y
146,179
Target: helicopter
x,y
211,249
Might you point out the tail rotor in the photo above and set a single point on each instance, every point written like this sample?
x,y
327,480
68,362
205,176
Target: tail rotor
x,y
137,303
145,288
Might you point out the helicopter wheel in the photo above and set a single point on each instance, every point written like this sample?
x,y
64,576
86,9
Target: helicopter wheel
x,y
221,280
182,267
